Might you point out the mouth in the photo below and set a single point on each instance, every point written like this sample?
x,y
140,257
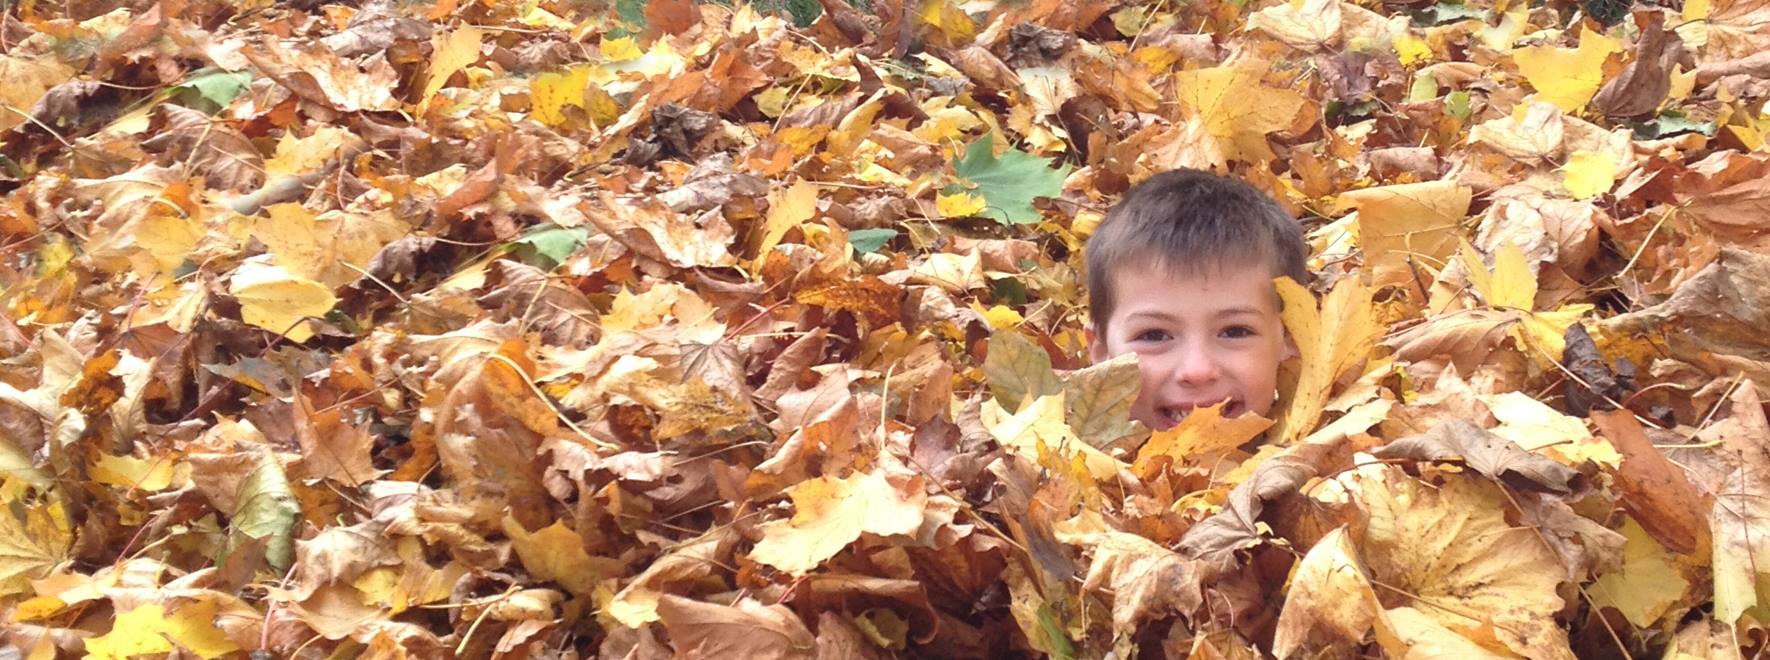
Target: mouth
x,y
1175,413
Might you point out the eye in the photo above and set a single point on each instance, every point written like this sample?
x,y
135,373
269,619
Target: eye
x,y
1151,334
1238,332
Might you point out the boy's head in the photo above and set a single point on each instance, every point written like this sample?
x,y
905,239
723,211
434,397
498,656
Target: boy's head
x,y
1181,273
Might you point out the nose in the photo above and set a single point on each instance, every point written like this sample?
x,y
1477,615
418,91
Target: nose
x,y
1195,365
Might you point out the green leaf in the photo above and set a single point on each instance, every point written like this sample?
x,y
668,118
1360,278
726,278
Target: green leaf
x,y
267,509
870,240
1672,123
1017,370
548,246
1448,12
216,88
1009,183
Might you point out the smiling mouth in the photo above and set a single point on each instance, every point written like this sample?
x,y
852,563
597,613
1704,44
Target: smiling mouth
x,y
1173,415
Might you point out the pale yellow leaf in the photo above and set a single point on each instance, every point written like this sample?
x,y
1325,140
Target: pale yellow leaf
x,y
1408,226
830,513
272,299
1337,336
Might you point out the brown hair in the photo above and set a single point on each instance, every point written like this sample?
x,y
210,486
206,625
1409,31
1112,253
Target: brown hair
x,y
1191,220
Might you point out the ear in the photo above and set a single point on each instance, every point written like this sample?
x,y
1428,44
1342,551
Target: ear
x,y
1290,347
1097,352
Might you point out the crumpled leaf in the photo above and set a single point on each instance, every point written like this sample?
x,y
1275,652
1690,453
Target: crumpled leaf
x,y
1145,579
1451,552
1487,454
745,630
1330,593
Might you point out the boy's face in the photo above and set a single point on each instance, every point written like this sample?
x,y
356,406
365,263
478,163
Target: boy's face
x,y
1199,339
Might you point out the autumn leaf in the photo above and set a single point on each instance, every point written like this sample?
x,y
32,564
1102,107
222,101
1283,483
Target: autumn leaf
x,y
1649,582
830,513
1408,228
275,300
1451,552
1237,109
1204,435
1332,339
1008,183
1331,593
1567,77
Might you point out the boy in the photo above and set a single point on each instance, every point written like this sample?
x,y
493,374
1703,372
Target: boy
x,y
1180,273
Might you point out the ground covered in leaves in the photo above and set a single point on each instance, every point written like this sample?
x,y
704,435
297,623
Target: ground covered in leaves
x,y
499,328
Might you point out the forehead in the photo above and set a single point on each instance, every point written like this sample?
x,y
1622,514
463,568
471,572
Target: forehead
x,y
1154,286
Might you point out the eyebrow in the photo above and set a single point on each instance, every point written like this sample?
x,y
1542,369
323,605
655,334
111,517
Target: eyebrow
x,y
1238,310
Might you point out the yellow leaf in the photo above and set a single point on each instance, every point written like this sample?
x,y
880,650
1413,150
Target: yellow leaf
x,y
1330,597
1589,174
954,272
619,49
167,238
551,92
960,204
556,553
1040,422
830,513
854,127
147,630
449,54
1331,340
1408,633
1237,108
1511,284
1567,77
272,299
1647,584
1000,317
135,473
302,155
28,550
1537,427
1202,436
786,209
1451,551
1407,226
1411,49
331,248
949,20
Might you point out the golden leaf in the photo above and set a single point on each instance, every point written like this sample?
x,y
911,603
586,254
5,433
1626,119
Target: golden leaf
x,y
1567,77
830,513
1330,340
1408,226
1238,109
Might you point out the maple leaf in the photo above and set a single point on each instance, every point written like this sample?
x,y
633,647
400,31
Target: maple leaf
x,y
1451,552
1237,109
1330,592
1647,584
1009,183
1567,77
830,513
1330,340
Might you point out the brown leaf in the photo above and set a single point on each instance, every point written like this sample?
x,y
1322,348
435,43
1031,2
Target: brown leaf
x,y
1217,538
332,448
1654,489
1644,83
219,151
745,630
1487,454
1722,309
855,594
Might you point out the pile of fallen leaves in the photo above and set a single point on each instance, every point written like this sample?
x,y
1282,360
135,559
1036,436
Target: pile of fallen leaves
x,y
543,328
